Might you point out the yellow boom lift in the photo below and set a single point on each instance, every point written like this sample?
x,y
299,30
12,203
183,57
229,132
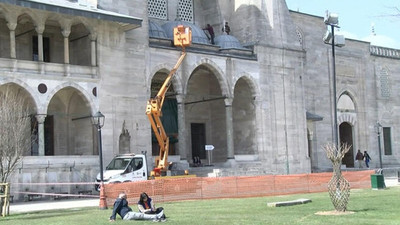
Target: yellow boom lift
x,y
183,38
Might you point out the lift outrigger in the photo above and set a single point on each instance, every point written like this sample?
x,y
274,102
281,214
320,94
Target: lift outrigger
x,y
182,38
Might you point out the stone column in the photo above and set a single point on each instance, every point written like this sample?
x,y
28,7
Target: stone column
x,y
229,127
93,38
66,33
12,27
39,30
93,55
180,98
40,119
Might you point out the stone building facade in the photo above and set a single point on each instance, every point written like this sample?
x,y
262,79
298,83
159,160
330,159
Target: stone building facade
x,y
262,95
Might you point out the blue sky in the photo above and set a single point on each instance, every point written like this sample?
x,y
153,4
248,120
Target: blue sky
x,y
356,18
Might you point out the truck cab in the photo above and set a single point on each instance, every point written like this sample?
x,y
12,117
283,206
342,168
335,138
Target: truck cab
x,y
124,168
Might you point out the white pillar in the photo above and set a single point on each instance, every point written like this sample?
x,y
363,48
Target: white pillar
x,y
93,38
39,30
229,127
66,34
12,27
40,119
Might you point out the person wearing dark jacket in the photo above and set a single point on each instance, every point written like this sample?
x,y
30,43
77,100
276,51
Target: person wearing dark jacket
x,y
122,208
367,158
210,30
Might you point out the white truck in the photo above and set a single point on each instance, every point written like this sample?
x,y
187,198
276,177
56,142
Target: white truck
x,y
124,168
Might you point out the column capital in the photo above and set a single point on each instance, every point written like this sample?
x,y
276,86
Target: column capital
x,y
93,36
228,102
180,98
40,118
39,29
66,32
12,25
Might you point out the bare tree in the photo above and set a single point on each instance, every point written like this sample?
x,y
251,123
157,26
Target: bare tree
x,y
15,129
339,187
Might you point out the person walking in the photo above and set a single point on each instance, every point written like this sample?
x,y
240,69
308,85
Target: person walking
x,y
359,158
367,158
210,30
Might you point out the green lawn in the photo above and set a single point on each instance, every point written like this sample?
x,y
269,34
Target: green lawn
x,y
370,207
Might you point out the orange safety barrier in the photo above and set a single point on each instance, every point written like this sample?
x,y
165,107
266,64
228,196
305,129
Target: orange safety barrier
x,y
191,188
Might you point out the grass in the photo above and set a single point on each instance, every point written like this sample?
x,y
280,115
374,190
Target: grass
x,y
369,207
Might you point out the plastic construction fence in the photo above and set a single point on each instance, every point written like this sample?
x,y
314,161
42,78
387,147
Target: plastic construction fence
x,y
191,188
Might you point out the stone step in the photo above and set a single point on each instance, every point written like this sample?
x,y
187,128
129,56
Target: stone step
x,y
289,203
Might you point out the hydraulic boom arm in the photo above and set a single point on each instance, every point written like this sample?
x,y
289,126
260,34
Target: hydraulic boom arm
x,y
182,37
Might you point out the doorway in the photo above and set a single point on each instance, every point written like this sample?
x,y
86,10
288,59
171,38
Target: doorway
x,y
346,137
49,135
198,134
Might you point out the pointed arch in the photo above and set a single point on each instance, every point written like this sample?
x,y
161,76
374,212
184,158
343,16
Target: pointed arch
x,y
218,73
26,87
244,117
89,99
176,79
255,91
351,94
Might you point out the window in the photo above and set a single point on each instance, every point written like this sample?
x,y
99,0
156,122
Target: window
x,y
185,10
46,49
157,9
387,141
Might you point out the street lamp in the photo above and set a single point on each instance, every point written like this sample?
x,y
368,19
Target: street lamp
x,y
98,121
378,131
332,20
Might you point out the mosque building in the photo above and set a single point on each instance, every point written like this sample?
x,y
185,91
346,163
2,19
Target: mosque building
x,y
262,95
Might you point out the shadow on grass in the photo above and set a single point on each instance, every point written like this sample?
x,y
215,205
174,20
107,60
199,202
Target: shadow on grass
x,y
41,215
364,210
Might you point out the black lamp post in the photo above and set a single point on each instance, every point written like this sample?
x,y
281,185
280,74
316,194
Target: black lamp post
x,y
98,121
332,20
378,131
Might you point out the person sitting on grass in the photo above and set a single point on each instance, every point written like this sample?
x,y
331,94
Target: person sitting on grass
x,y
146,205
121,208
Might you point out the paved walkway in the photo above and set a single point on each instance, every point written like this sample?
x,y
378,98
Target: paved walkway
x,y
24,207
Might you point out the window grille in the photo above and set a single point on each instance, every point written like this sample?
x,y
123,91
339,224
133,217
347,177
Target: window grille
x,y
185,10
157,9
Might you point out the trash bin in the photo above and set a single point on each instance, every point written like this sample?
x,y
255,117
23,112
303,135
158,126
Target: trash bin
x,y
377,181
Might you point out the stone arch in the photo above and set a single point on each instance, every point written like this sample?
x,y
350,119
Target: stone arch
x,y
37,18
27,102
24,32
169,108
207,104
244,118
68,118
255,91
4,39
218,73
90,26
176,79
347,118
90,100
26,87
352,96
